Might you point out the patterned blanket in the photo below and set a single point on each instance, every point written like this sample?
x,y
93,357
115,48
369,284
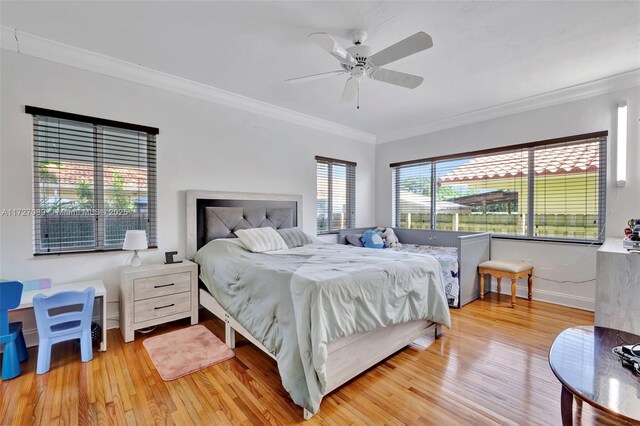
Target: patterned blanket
x,y
448,259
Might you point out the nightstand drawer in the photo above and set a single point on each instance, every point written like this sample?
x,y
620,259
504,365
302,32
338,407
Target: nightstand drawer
x,y
161,285
157,307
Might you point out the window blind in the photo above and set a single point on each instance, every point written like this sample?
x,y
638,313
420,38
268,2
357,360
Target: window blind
x,y
484,193
569,187
412,196
94,179
493,190
335,194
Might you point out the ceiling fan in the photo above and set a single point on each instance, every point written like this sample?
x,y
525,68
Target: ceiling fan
x,y
360,61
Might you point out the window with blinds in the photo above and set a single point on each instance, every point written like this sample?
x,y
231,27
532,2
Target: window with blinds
x,y
412,200
94,179
485,193
494,191
335,195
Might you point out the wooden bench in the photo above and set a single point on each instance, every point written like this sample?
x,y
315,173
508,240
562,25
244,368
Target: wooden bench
x,y
509,269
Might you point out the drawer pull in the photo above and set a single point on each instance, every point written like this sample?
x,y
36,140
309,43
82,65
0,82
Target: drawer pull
x,y
164,285
165,306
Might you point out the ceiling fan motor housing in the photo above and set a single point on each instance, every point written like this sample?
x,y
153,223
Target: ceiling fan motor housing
x,y
360,53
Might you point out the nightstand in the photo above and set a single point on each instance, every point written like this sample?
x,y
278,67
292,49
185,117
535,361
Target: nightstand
x,y
155,294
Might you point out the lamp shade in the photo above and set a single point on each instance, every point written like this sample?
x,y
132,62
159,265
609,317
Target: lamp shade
x,y
135,240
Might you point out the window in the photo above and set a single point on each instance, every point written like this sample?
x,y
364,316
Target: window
x,y
493,191
335,195
94,179
412,205
483,193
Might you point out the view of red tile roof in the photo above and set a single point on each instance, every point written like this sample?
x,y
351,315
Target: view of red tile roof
x,y
550,161
72,173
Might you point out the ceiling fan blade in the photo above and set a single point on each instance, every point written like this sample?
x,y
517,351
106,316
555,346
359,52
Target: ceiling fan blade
x,y
314,76
407,47
398,78
350,90
328,43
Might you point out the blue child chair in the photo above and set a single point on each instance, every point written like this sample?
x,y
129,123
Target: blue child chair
x,y
15,349
57,328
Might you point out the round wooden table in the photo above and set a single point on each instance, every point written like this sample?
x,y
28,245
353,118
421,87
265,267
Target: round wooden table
x,y
581,358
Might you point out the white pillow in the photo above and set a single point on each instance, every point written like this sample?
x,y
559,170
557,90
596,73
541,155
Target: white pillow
x,y
259,240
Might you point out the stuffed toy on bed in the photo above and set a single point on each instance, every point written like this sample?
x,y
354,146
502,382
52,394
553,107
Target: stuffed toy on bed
x,y
372,239
390,238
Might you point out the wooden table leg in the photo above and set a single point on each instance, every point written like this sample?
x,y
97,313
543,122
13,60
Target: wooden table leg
x,y
499,279
578,403
513,292
481,284
530,283
566,407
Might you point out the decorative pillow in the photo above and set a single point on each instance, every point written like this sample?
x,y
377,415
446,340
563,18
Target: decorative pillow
x,y
390,238
294,237
259,240
372,239
354,240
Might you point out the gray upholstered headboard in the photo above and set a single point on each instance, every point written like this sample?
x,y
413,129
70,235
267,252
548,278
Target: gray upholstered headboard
x,y
222,222
213,215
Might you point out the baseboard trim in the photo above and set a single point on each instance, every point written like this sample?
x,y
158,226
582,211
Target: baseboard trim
x,y
542,295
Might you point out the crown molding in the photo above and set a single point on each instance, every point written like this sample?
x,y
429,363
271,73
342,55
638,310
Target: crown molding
x,y
50,50
43,48
574,93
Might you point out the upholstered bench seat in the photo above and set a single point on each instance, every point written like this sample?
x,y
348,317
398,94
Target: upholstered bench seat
x,y
506,265
512,269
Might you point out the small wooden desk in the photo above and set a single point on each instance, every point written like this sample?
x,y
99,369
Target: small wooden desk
x,y
26,301
582,360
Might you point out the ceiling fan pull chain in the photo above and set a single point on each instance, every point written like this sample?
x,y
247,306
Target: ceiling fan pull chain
x,y
358,103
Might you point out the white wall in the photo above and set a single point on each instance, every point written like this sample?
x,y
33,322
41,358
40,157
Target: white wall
x,y
201,146
560,268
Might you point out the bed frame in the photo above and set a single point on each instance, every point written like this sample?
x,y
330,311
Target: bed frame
x,y
473,249
348,356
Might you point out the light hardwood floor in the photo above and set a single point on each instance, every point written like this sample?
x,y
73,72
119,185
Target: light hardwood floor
x,y
490,368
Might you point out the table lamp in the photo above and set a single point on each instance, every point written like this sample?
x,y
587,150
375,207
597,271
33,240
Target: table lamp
x,y
135,240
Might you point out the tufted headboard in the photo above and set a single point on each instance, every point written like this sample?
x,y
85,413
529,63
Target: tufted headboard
x,y
219,214
223,222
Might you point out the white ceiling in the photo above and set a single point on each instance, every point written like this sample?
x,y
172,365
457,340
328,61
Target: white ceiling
x,y
484,54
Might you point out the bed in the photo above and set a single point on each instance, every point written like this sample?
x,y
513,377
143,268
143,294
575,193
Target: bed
x,y
459,254
339,329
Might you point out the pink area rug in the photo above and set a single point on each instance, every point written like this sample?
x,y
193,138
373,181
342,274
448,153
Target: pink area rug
x,y
185,351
